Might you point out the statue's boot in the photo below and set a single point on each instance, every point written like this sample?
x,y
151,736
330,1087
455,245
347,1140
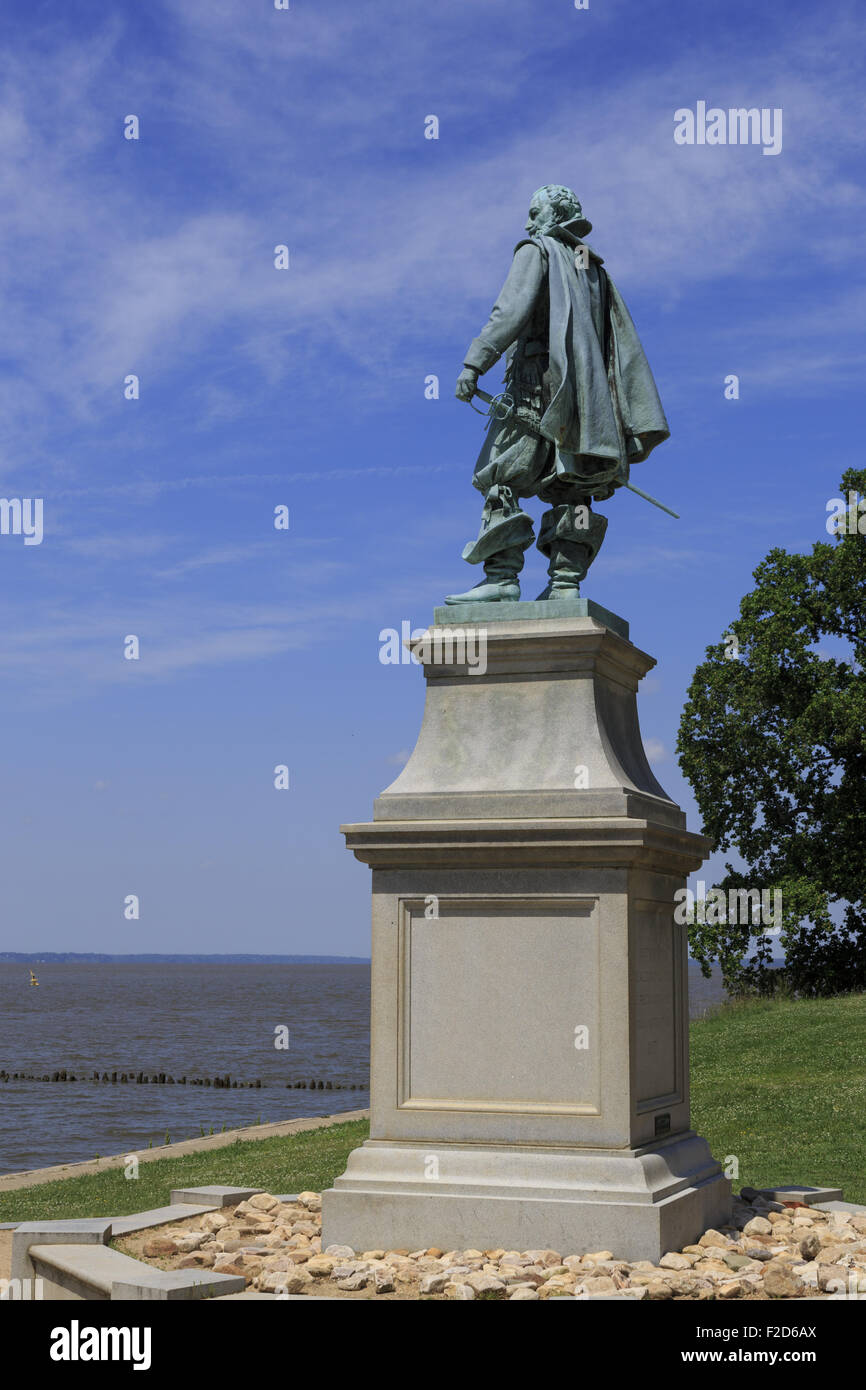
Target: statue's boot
x,y
569,563
570,536
500,583
505,533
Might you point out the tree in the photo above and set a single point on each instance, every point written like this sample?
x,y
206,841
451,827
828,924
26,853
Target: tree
x,y
773,742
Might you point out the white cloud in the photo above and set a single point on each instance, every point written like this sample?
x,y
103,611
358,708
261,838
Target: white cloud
x,y
110,277
655,750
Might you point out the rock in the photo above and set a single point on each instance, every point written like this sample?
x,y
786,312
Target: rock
x,y
230,1268
758,1252
190,1241
600,1284
263,1201
341,1252
214,1221
355,1281
809,1273
486,1286
311,1200
273,1282
296,1281
683,1284
658,1291
675,1261
596,1256
758,1226
533,1274
461,1292
234,1257
736,1261
375,1255
435,1283
251,1216
832,1254
712,1239
523,1294
710,1268
158,1245
735,1289
810,1246
320,1266
559,1283
780,1280
837,1235
200,1259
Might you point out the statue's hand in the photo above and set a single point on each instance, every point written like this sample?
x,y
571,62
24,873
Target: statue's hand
x,y
466,384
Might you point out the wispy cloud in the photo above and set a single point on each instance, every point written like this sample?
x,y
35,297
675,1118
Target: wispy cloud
x,y
147,287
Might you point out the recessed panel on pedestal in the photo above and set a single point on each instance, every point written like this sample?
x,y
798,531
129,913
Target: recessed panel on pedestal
x,y
499,1006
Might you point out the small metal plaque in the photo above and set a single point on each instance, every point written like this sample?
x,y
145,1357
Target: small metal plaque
x,y
663,1124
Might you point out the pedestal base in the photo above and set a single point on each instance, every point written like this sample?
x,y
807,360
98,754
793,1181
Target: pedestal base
x,y
637,1203
529,1050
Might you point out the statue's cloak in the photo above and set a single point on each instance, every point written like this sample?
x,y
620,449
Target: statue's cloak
x,y
604,406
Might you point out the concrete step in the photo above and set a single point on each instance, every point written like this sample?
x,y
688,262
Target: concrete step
x,y
94,1272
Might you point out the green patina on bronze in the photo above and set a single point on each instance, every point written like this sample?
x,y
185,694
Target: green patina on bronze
x,y
580,405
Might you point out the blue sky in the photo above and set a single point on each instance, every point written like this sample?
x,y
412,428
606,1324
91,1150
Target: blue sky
x,y
306,388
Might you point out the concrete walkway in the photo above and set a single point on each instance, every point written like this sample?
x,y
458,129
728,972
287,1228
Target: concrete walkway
x,y
32,1177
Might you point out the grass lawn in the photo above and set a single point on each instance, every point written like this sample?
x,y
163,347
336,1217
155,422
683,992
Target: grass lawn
x,y
780,1085
303,1162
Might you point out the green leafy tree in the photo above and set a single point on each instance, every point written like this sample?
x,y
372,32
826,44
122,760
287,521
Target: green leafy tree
x,y
773,742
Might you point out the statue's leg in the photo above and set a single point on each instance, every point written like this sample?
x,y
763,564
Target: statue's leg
x,y
570,536
505,534
508,467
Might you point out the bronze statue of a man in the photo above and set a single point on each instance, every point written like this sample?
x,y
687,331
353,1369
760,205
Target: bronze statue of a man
x,y
583,404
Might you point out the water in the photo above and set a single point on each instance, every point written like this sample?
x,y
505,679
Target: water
x,y
703,994
199,1019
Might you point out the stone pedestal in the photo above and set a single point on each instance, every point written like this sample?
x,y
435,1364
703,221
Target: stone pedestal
x,y
529,1072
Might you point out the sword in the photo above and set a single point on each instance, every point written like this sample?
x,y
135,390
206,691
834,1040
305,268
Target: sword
x,y
502,408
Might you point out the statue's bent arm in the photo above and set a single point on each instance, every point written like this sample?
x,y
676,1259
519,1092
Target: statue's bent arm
x,y
512,310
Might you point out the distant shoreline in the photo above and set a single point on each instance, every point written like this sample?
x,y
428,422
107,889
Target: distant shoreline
x,y
96,957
